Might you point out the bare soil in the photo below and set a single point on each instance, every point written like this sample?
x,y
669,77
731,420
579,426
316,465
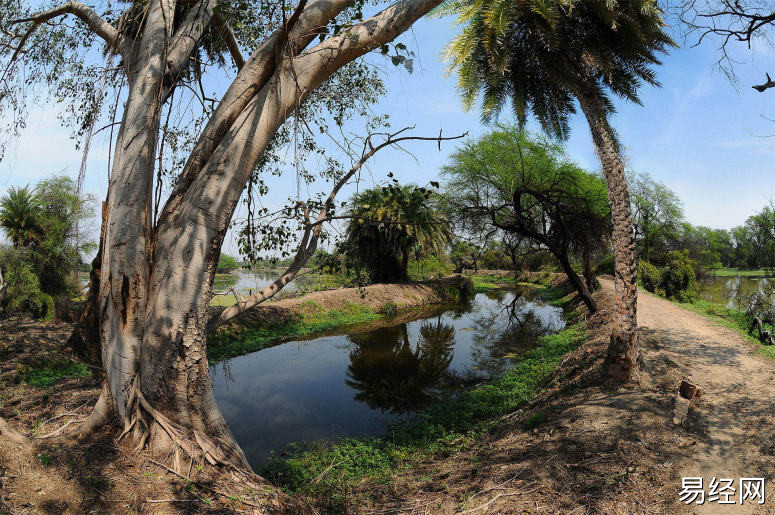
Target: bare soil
x,y
599,449
614,450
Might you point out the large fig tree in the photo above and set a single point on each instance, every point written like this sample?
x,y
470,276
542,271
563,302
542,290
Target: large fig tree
x,y
158,259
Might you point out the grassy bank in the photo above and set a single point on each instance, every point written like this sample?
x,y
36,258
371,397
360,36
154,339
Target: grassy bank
x,y
311,319
731,318
320,312
327,473
735,272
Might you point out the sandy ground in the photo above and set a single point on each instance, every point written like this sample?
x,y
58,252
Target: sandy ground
x,y
606,450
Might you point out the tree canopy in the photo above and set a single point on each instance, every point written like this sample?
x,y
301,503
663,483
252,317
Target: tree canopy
x,y
525,185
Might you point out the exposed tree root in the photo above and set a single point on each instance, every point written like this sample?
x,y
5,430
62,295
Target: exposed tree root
x,y
765,336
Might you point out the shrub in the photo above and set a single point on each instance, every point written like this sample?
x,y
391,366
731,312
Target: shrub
x,y
389,309
649,276
678,280
606,266
24,295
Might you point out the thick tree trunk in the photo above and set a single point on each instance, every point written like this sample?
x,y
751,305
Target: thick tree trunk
x,y
156,283
623,351
577,283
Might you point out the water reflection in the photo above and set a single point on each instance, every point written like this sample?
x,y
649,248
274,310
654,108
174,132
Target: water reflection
x,y
355,384
391,375
727,290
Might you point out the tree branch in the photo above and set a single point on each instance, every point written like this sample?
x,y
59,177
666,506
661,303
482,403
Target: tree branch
x,y
312,230
86,14
761,88
231,40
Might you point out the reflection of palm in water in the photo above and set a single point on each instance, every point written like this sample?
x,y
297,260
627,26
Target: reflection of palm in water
x,y
391,376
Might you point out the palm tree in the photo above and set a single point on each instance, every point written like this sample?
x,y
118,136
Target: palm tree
x,y
387,223
543,55
19,210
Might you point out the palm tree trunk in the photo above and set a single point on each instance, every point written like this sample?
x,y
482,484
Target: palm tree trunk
x,y
623,351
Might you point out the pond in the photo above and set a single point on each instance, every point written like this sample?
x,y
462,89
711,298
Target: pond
x,y
355,384
724,290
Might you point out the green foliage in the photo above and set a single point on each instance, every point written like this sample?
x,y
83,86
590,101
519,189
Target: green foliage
x,y
431,267
439,429
388,224
24,294
649,276
45,373
677,277
537,54
226,264
606,266
19,210
41,223
676,280
657,215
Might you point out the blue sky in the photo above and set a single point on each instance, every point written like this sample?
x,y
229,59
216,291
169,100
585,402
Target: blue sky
x,y
698,133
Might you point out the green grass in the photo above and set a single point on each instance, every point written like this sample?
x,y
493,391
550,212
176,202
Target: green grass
x,y
46,373
230,342
734,272
731,318
327,472
485,283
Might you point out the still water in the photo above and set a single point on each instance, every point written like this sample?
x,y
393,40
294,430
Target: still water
x,y
725,290
355,384
247,281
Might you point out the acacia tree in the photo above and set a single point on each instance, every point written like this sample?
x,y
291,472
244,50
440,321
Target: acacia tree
x,y
524,186
544,57
657,214
158,260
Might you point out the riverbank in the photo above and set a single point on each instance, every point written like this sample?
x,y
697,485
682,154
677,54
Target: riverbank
x,y
339,477
317,313
739,272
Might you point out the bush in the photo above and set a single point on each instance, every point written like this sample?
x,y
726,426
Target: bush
x,y
649,276
226,264
24,295
606,266
678,280
428,268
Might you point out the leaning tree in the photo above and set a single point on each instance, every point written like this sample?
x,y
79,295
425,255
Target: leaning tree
x,y
158,259
544,57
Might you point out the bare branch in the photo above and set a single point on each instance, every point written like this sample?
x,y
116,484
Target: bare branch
x,y
761,88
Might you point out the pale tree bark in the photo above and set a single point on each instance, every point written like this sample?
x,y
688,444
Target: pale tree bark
x,y
623,351
156,281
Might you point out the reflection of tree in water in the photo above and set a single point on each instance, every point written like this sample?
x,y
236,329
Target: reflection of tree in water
x,y
504,333
390,375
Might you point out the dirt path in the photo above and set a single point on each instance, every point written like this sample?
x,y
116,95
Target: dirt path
x,y
736,412
604,450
